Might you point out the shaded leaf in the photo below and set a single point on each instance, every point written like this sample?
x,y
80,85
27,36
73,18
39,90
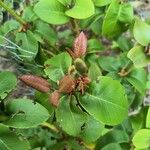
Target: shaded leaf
x,y
8,82
25,114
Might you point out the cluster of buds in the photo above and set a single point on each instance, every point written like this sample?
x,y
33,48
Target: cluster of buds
x,y
79,46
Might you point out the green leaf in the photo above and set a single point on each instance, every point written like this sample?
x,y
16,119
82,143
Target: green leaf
x,y
25,114
111,146
51,11
141,139
138,56
82,9
148,119
29,46
65,2
8,82
69,116
116,15
126,14
94,72
101,2
57,66
104,102
46,31
29,15
138,78
141,32
92,131
10,141
94,46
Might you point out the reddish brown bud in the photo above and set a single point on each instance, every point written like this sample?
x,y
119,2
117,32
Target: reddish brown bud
x,y
54,98
66,84
36,82
86,80
80,45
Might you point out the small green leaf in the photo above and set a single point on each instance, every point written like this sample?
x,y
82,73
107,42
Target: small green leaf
x,y
92,131
94,46
57,66
116,15
25,114
69,116
138,79
10,141
82,9
28,45
101,2
104,102
141,32
148,119
51,11
138,56
141,139
94,72
8,82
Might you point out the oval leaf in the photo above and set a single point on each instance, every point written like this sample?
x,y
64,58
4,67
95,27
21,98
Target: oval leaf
x,y
25,114
8,82
141,32
69,116
139,58
142,138
105,103
51,11
10,141
82,9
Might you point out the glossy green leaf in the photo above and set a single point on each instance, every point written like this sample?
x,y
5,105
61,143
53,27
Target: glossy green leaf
x,y
51,11
141,139
101,2
57,66
94,72
10,141
24,113
104,102
138,78
138,56
70,116
116,14
28,45
141,32
92,130
8,82
81,10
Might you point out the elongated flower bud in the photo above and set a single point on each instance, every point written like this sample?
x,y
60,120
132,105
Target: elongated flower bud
x,y
66,84
80,45
36,82
54,98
